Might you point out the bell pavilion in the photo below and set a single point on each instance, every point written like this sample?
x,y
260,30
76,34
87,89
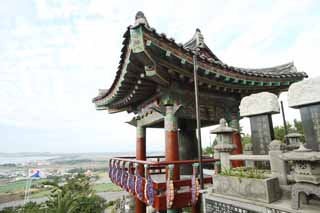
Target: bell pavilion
x,y
155,83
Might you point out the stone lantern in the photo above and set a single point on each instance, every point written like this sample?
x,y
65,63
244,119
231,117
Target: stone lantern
x,y
224,145
306,165
294,141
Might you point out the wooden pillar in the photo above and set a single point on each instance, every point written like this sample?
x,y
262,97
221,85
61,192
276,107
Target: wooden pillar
x,y
140,155
171,139
236,140
187,146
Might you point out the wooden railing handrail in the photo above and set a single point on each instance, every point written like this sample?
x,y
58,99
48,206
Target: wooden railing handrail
x,y
163,163
133,157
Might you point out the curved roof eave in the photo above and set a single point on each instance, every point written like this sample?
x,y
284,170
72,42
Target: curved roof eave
x,y
287,70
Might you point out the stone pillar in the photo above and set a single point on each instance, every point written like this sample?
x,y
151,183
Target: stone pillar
x,y
305,96
279,167
187,145
259,108
248,151
140,155
236,139
171,137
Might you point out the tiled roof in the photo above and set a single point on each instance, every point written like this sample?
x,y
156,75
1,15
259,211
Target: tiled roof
x,y
285,71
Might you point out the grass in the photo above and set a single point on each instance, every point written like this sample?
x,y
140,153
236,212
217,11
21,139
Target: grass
x,y
242,172
13,187
17,186
40,193
106,187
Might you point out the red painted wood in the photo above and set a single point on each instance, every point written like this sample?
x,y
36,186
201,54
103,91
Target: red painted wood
x,y
161,163
179,183
140,155
172,151
196,208
236,140
181,200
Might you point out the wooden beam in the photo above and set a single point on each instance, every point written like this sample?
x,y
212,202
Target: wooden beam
x,y
157,74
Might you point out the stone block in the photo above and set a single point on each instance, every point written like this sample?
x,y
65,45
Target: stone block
x,y
259,103
263,190
304,93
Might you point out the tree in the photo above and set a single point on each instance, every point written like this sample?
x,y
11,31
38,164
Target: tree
x,y
76,195
245,139
30,207
279,132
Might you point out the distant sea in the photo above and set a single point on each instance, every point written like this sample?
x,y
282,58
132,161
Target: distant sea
x,y
24,159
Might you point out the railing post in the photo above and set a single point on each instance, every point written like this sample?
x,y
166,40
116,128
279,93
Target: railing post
x,y
248,151
170,190
140,205
131,181
279,167
148,189
195,189
124,176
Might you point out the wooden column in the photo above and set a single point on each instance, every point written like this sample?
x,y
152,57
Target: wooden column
x,y
140,155
236,139
171,137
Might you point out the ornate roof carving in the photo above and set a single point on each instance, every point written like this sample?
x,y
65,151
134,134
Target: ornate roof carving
x,y
196,43
123,91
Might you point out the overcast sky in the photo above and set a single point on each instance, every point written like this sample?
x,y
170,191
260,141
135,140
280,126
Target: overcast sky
x,y
55,55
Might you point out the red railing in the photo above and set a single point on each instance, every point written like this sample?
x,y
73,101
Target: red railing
x,y
161,194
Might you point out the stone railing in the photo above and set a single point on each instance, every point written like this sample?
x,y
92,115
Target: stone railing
x,y
278,166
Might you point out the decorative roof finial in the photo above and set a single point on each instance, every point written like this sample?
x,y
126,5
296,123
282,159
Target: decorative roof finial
x,y
197,41
200,38
141,19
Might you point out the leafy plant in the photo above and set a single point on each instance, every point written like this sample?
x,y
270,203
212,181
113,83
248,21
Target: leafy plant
x,y
243,172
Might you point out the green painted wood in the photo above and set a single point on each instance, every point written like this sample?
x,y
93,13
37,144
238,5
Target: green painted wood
x,y
148,43
285,83
243,82
136,42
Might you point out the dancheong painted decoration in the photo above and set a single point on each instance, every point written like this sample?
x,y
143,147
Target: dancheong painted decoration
x,y
155,82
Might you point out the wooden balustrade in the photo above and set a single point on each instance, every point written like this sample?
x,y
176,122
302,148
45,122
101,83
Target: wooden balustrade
x,y
184,193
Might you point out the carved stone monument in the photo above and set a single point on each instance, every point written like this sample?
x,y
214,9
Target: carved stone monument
x,y
305,96
259,108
